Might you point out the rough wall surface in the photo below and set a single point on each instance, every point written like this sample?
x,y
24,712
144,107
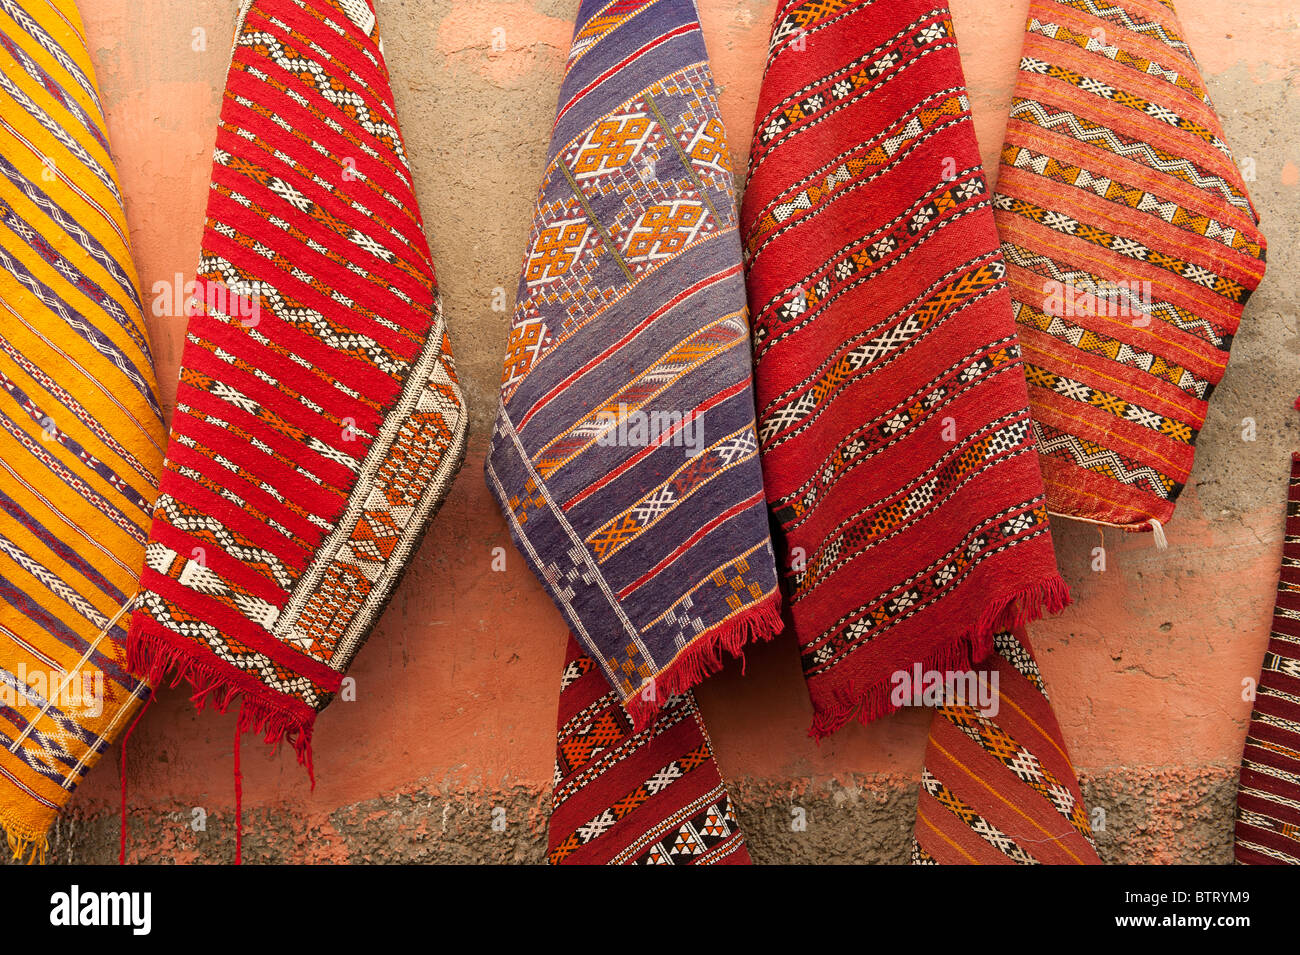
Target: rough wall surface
x,y
446,753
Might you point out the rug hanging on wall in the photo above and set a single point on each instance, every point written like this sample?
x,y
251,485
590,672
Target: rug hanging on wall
x,y
1268,798
82,430
998,787
893,418
624,455
318,419
1132,248
624,797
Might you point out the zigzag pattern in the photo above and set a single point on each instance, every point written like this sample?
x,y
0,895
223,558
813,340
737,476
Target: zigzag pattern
x,y
300,316
325,82
1154,199
1086,281
330,417
1093,457
1115,13
1132,196
1095,134
198,524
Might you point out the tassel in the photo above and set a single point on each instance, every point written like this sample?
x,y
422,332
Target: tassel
x,y
1158,532
239,801
121,850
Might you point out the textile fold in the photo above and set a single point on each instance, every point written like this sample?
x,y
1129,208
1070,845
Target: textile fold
x,y
1133,248
628,797
893,422
998,787
624,455
319,421
81,429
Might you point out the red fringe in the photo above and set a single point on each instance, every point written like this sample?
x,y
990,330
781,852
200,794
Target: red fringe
x,y
704,657
153,657
1022,607
239,804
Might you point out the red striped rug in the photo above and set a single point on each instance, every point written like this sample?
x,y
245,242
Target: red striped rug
x,y
1268,798
998,787
1133,248
319,420
622,796
898,457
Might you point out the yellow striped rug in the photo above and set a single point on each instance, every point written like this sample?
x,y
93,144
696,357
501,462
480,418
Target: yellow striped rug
x,y
81,430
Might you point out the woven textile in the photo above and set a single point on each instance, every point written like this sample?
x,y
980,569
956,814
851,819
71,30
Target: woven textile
x,y
893,425
624,797
998,787
81,431
318,421
1268,800
624,455
1132,249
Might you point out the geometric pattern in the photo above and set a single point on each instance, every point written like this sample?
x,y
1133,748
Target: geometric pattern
x,y
1117,188
1268,797
998,787
319,424
624,453
81,428
1086,454
893,421
629,797
1112,348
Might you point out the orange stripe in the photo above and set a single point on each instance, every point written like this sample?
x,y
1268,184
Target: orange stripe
x,y
1016,809
921,817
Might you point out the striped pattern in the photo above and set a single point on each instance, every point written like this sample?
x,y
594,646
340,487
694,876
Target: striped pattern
x,y
1268,800
628,797
81,432
1132,247
319,421
625,456
998,787
893,420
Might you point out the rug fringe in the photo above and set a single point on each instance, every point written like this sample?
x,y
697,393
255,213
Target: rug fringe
x,y
152,657
26,845
705,656
1048,596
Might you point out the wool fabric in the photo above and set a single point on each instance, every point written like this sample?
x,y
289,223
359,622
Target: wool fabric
x,y
998,787
1132,246
81,429
624,455
319,421
623,797
1268,796
893,422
